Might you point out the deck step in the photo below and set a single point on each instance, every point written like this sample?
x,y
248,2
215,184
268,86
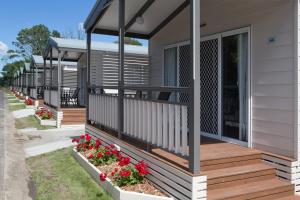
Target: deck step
x,y
292,197
221,163
274,187
237,175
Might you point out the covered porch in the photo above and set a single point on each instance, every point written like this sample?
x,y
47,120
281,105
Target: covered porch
x,y
232,92
60,82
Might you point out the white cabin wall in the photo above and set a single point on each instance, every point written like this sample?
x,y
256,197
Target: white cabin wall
x,y
297,75
273,80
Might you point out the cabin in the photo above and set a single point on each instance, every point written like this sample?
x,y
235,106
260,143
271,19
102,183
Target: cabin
x,y
37,79
73,83
219,117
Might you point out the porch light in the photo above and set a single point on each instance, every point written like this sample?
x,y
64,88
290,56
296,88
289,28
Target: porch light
x,y
139,20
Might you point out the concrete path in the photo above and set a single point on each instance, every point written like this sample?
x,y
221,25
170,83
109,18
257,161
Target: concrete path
x,y
44,141
23,113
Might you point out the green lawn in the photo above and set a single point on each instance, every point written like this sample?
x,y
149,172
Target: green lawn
x,y
57,175
14,101
16,107
30,122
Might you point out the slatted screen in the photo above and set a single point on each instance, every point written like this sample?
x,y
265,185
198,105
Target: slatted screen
x,y
105,72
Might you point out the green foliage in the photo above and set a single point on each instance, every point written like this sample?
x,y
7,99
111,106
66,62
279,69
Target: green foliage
x,y
131,41
29,41
34,40
10,69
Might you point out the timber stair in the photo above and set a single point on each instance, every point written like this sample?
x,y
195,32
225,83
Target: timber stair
x,y
73,116
244,177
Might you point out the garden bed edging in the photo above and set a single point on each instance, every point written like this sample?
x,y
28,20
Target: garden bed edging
x,y
116,192
47,122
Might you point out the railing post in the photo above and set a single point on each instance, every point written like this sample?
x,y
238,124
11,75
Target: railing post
x,y
121,68
194,102
59,81
88,66
44,78
50,102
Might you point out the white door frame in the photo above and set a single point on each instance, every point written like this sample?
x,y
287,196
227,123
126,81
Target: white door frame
x,y
219,36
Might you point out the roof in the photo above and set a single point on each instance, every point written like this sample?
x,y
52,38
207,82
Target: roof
x,y
27,66
39,60
143,18
98,8
96,46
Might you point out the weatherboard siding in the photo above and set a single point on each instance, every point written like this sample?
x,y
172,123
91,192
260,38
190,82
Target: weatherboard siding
x,y
273,79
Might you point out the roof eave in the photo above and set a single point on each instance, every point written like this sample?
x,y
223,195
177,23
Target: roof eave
x,y
96,13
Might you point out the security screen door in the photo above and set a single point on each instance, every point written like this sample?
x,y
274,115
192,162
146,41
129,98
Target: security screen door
x,y
224,77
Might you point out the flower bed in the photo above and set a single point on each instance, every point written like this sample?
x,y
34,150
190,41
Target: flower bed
x,y
29,104
45,117
114,172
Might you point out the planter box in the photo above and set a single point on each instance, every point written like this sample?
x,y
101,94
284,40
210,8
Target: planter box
x,y
45,122
116,192
30,107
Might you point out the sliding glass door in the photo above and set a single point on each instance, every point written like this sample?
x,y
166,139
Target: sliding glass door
x,y
234,86
224,82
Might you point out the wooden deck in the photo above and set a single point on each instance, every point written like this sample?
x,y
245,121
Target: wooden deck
x,y
235,172
73,116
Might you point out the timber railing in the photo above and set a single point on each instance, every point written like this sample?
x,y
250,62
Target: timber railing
x,y
157,116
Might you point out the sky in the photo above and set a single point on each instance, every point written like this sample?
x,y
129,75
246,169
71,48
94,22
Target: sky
x,y
61,15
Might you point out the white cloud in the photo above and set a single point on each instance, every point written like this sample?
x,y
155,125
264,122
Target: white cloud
x,y
3,48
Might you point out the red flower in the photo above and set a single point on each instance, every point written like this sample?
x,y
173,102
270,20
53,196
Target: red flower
x,y
97,144
107,153
115,152
82,136
107,147
141,168
125,173
91,147
112,146
102,176
116,170
99,155
113,173
91,156
124,161
88,137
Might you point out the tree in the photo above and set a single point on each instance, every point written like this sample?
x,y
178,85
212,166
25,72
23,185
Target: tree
x,y
10,69
131,41
33,40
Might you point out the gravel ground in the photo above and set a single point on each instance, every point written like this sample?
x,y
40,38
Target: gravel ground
x,y
16,180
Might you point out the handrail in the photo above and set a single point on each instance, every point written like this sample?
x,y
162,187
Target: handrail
x,y
146,88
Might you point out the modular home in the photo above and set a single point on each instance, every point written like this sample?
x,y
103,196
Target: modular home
x,y
73,86
220,116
